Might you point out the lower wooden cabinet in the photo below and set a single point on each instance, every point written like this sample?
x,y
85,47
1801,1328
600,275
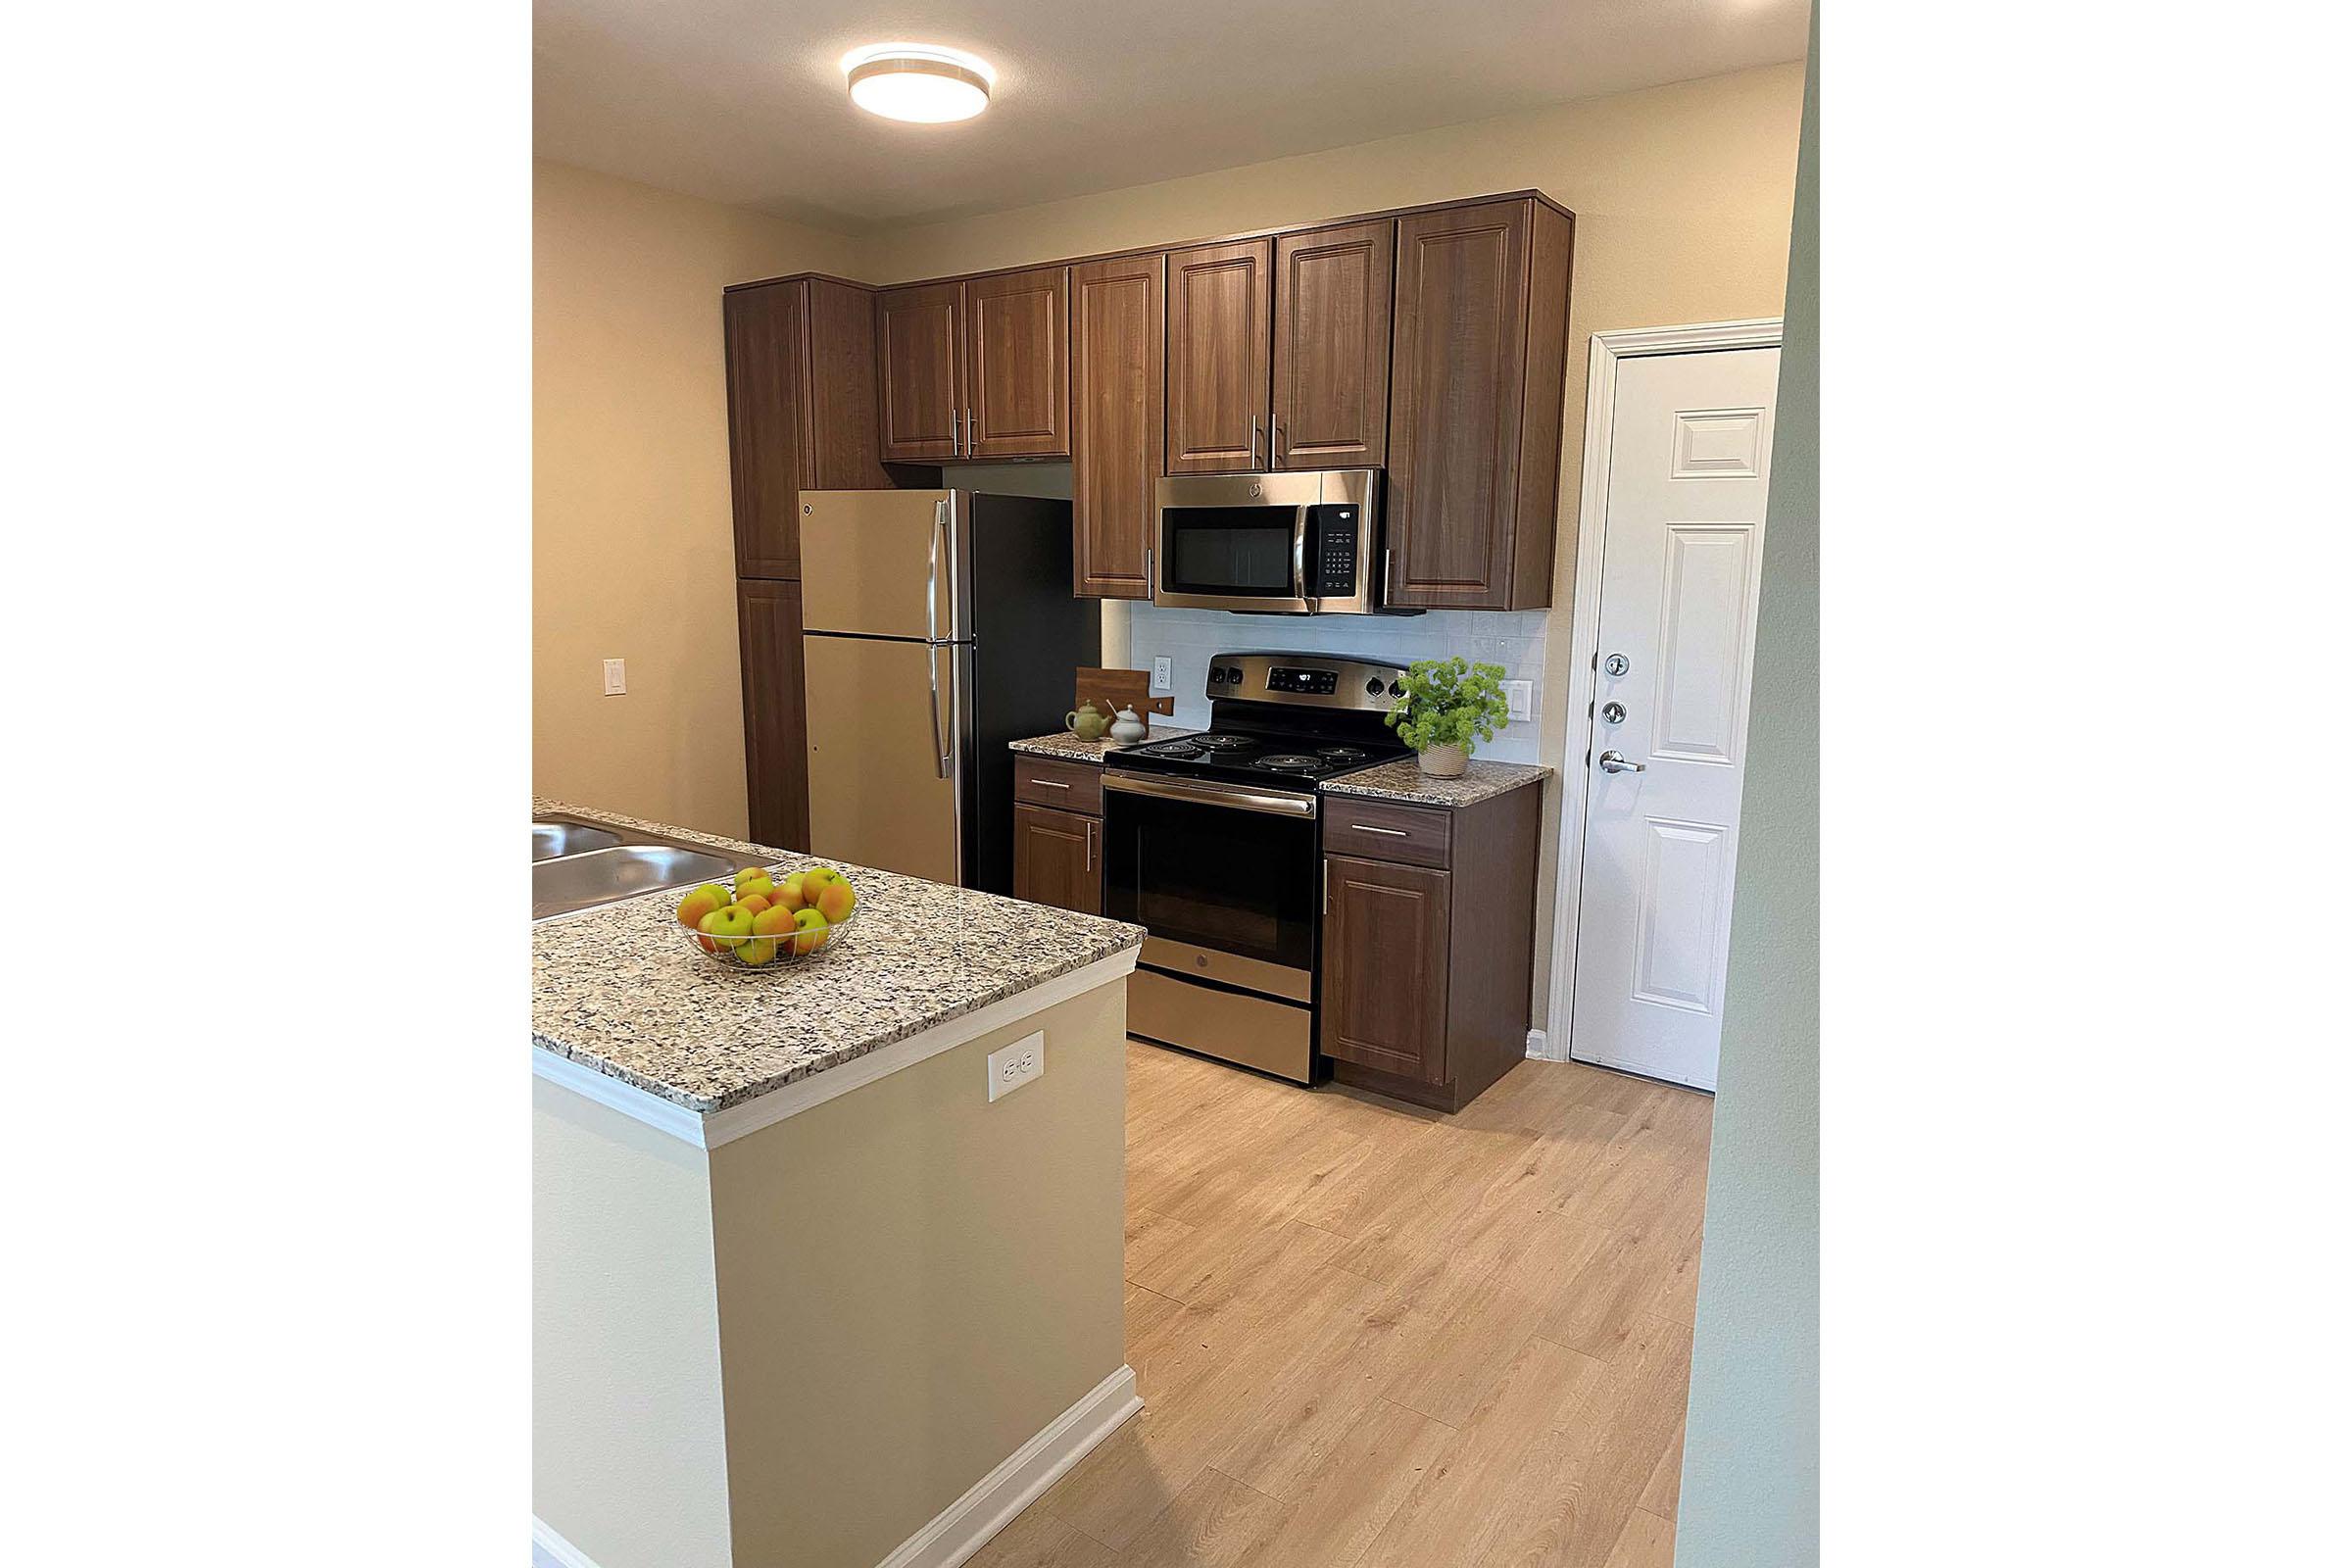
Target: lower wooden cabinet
x,y
775,714
1429,943
1384,965
1057,859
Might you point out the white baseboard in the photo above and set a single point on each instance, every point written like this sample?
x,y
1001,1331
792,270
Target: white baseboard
x,y
965,1525
551,1551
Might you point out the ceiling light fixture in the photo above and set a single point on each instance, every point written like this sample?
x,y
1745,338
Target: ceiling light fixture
x,y
917,81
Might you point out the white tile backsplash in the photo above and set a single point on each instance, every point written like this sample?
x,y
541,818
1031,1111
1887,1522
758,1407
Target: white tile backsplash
x,y
1513,639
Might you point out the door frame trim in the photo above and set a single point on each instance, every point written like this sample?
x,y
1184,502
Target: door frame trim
x,y
1583,620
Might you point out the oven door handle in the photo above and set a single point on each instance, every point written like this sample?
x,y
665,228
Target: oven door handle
x,y
1208,794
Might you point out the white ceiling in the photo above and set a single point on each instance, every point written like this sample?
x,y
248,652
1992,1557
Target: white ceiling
x,y
745,102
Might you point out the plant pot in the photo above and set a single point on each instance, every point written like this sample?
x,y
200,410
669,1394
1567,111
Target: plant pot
x,y
1444,761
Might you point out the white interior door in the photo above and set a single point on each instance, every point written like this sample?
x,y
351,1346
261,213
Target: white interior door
x,y
1681,556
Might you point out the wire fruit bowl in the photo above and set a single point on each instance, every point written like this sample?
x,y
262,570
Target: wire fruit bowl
x,y
763,954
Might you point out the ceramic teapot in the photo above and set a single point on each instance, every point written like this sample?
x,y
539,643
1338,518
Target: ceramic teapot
x,y
1086,722
1129,727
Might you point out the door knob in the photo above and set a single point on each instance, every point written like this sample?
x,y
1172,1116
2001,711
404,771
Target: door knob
x,y
1615,763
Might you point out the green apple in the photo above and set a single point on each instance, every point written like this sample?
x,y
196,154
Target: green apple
x,y
758,951
813,931
728,926
755,881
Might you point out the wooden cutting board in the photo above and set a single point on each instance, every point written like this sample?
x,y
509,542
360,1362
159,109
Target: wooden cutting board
x,y
1113,689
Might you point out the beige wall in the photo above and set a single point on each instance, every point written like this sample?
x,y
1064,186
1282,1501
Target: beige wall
x,y
1682,196
633,544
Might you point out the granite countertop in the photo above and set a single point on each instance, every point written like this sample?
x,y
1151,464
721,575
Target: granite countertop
x,y
1400,780
1404,781
616,988
1070,748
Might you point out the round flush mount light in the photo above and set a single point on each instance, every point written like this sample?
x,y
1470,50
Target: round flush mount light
x,y
917,81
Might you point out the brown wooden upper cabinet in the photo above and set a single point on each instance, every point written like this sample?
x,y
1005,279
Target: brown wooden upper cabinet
x,y
1117,419
976,368
1474,405
1332,288
1220,335
918,340
799,410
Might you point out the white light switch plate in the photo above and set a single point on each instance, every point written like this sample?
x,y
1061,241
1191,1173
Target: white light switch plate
x,y
1164,675
1521,695
616,678
1016,1064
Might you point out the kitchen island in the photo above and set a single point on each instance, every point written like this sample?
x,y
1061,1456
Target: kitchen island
x,y
804,1293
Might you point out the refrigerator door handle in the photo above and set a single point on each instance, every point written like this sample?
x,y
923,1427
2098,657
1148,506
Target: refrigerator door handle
x,y
938,734
939,527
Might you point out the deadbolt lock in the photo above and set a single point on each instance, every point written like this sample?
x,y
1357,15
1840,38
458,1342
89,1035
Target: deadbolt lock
x,y
1616,663
1613,713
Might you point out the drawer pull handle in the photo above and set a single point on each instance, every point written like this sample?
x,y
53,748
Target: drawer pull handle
x,y
1048,783
1391,832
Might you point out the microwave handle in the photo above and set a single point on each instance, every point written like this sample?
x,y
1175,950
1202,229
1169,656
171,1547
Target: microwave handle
x,y
1299,553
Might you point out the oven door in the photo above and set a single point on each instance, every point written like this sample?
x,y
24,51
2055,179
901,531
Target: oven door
x,y
1223,878
1234,541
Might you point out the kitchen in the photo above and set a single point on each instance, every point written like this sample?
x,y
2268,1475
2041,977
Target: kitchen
x,y
1240,482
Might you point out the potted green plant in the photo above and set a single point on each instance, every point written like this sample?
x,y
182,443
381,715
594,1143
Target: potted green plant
x,y
1447,706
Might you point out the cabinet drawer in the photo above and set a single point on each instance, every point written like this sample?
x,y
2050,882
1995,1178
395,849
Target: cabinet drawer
x,y
1380,830
1061,786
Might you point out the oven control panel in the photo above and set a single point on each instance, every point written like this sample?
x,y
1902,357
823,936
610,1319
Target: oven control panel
x,y
1302,682
1361,684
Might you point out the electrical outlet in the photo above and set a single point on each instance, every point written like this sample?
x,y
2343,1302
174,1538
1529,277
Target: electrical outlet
x,y
1521,695
616,678
1016,1064
1164,675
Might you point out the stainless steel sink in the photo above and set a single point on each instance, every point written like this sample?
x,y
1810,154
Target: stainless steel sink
x,y
551,841
600,876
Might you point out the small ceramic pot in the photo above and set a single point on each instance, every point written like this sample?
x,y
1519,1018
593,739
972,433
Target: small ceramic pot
x,y
1129,727
1444,761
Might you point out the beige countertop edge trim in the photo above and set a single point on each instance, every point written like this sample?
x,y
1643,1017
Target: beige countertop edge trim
x,y
711,1130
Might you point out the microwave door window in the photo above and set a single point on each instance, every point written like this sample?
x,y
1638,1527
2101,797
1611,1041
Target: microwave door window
x,y
1238,551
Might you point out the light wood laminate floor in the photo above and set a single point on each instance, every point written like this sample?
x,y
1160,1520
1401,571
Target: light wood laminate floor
x,y
1372,1337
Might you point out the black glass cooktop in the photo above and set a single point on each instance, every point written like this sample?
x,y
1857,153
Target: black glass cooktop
x,y
1244,756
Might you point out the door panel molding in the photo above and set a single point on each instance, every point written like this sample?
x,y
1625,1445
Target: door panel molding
x,y
1608,350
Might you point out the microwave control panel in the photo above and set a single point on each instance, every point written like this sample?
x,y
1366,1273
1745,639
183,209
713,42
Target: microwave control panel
x,y
1334,530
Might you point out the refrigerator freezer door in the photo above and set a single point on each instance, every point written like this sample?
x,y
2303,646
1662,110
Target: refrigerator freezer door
x,y
885,771
882,563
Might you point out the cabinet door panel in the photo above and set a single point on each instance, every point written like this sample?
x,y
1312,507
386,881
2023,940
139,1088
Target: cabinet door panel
x,y
1220,336
1016,365
1457,399
1057,859
919,350
775,725
844,442
766,419
1118,397
1384,937
1332,292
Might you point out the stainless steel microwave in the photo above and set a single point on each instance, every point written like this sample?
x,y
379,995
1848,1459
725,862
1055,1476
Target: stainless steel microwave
x,y
1301,544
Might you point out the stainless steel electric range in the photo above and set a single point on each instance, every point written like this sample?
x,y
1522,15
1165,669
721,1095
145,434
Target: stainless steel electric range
x,y
1212,844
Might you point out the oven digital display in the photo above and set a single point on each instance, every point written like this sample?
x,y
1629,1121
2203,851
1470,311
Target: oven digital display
x,y
1309,682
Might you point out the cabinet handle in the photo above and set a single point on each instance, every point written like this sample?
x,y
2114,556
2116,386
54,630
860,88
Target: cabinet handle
x,y
970,441
1148,587
1090,845
1391,832
1048,784
1387,558
954,432
1326,887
